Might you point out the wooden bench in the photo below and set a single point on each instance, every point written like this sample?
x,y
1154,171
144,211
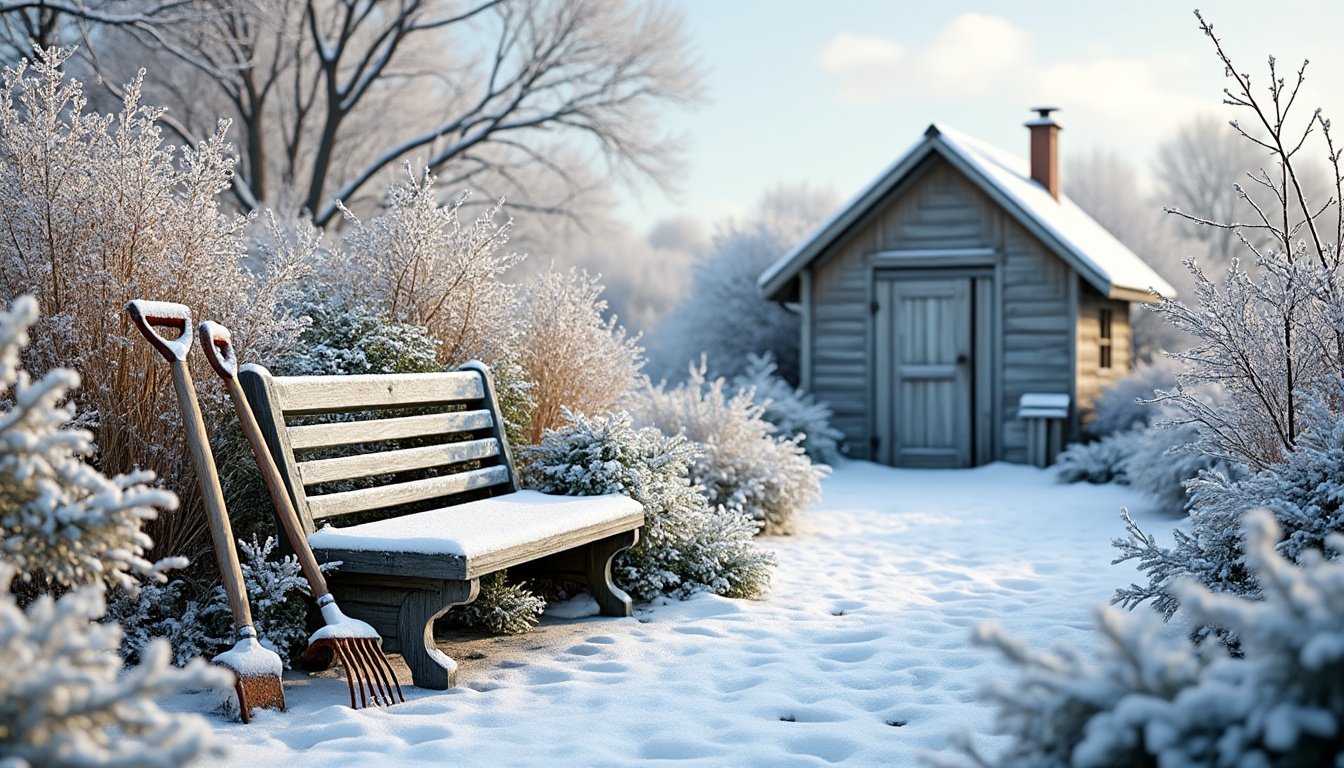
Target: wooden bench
x,y
420,465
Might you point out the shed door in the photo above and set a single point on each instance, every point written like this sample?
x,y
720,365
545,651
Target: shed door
x,y
923,372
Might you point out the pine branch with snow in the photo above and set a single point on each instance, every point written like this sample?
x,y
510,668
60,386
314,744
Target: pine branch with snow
x,y
501,608
686,546
64,523
65,699
1151,696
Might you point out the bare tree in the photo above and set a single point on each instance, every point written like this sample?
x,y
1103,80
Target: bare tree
x,y
329,96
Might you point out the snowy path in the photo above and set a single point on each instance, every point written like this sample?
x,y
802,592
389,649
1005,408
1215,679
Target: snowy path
x,y
859,655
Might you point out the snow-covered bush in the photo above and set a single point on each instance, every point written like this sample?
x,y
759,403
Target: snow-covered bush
x,y
65,699
63,523
419,264
343,340
742,465
1151,696
501,608
1304,493
1100,461
166,612
793,412
573,357
686,546
1123,406
1163,463
724,316
99,210
276,589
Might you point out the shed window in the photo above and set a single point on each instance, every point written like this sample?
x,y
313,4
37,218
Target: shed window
x,y
1104,340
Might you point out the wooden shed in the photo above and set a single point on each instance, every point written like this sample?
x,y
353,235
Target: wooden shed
x,y
954,284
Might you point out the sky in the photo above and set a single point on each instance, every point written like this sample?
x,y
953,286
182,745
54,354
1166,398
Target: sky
x,y
829,93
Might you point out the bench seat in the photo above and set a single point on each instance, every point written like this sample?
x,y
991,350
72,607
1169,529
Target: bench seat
x,y
469,540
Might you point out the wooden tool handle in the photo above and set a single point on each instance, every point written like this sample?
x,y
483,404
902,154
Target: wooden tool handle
x,y
221,532
217,342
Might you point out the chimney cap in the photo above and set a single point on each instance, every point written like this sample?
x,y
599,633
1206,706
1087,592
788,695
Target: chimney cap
x,y
1044,117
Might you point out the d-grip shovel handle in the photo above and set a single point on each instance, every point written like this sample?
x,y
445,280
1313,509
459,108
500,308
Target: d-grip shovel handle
x,y
217,343
148,315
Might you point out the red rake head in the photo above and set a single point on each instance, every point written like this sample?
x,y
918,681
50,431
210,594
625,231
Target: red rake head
x,y
366,669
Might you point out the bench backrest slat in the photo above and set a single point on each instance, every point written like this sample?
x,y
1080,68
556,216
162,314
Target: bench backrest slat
x,y
457,451
301,395
351,433
365,499
403,460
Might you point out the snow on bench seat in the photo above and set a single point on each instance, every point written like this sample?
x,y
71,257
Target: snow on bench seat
x,y
464,541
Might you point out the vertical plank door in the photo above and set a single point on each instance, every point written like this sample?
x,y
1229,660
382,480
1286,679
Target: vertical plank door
x,y
923,372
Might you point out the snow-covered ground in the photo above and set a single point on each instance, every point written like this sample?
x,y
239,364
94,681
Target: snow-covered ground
x,y
859,655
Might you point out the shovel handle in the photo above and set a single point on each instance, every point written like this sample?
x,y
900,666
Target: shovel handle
x,y
149,315
217,343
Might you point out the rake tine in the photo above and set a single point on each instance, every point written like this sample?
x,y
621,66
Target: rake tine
x,y
387,668
351,675
352,649
375,685
371,661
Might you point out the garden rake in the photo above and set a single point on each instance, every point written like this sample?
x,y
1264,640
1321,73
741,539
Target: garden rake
x,y
257,669
357,646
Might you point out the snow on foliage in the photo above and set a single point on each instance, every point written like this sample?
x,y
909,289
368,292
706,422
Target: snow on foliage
x,y
501,608
724,316
1303,493
98,210
1152,696
573,357
742,465
1100,461
686,546
63,522
65,699
1123,405
344,340
164,612
793,412
275,589
418,263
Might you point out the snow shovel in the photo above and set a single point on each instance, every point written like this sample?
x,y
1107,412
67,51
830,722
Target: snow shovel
x,y
257,668
357,646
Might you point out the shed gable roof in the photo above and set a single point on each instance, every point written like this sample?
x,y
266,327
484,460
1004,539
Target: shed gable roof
x,y
1066,229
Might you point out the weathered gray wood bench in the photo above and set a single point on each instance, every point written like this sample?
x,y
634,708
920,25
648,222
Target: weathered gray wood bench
x,y
445,511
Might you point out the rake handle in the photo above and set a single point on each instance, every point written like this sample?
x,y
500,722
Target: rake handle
x,y
218,346
147,317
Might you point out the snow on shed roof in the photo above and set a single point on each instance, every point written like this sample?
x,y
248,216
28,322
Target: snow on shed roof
x,y
1076,237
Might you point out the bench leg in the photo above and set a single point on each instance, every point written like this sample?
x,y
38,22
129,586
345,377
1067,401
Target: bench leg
x,y
610,598
430,667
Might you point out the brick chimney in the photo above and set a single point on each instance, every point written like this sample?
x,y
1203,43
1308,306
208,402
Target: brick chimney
x,y
1045,150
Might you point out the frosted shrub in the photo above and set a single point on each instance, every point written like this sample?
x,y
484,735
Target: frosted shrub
x,y
419,264
343,340
686,546
98,210
1303,493
573,357
65,700
1163,463
165,612
276,589
1152,697
63,523
1100,461
1122,406
742,465
792,412
501,608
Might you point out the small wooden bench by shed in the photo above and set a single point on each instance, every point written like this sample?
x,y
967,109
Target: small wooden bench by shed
x,y
419,463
